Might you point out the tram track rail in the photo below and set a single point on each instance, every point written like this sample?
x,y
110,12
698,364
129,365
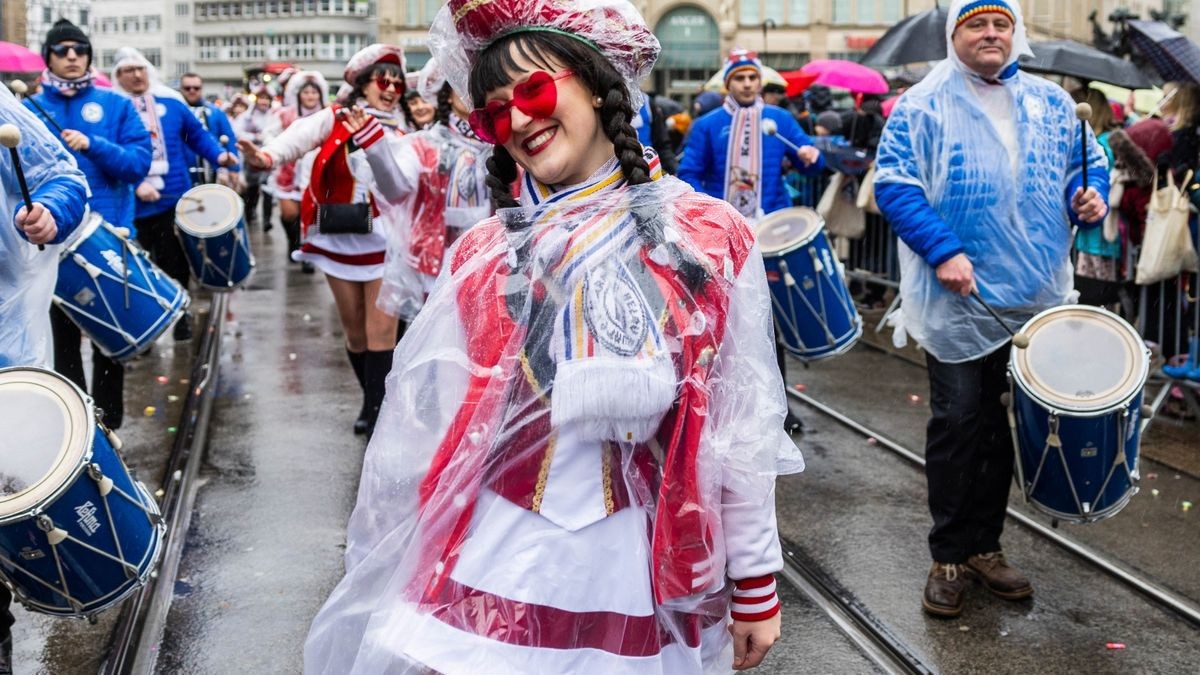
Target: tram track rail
x,y
1157,593
140,626
886,650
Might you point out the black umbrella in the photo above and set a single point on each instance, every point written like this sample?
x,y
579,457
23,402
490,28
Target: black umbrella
x,y
1174,56
920,37
1067,57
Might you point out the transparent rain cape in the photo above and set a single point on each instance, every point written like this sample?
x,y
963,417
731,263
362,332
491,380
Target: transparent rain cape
x,y
1013,224
577,446
27,275
450,197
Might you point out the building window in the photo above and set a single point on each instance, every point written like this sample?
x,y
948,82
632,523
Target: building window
x,y
108,58
183,39
83,17
182,9
129,24
47,15
782,12
892,11
109,24
154,56
152,24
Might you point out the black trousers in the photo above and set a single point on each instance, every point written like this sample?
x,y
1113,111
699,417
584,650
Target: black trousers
x,y
108,376
156,234
968,456
6,617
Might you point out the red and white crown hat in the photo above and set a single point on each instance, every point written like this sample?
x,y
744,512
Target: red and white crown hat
x,y
464,28
369,56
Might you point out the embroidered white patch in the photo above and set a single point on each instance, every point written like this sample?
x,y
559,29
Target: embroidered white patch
x,y
92,112
613,309
160,109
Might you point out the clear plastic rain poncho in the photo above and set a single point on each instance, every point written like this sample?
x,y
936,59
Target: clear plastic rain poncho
x,y
1007,207
27,275
577,450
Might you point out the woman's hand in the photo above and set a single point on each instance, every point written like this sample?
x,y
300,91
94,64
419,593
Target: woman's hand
x,y
253,156
354,118
753,639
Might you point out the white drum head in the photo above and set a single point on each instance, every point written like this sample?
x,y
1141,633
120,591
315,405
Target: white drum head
x,y
48,428
1081,359
787,229
208,210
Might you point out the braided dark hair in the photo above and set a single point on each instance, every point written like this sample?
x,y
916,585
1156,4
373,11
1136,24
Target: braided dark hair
x,y
443,105
497,66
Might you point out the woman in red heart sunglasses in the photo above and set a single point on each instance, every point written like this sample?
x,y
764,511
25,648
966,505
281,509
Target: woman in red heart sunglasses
x,y
574,470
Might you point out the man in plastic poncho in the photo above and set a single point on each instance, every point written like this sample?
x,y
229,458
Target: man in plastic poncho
x,y
979,173
728,155
27,275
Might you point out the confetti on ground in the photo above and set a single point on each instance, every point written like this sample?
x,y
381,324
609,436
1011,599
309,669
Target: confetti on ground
x,y
1115,645
1186,506
171,430
1152,476
914,398
1003,633
292,356
308,317
871,440
163,379
801,387
149,411
964,628
1154,492
172,398
183,380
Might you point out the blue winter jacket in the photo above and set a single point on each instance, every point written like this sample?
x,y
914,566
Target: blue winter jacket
x,y
218,126
182,131
118,156
703,162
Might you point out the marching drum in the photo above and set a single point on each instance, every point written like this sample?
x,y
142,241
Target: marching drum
x,y
109,287
1075,409
77,533
813,308
212,230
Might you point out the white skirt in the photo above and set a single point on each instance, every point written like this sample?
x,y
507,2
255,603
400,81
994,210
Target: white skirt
x,y
531,597
353,257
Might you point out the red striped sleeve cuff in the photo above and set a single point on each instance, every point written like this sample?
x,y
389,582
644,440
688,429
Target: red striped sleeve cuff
x,y
370,134
755,599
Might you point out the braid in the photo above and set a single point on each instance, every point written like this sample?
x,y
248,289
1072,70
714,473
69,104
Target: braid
x,y
408,113
443,104
502,172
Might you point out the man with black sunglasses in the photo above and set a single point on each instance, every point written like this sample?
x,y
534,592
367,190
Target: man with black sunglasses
x,y
112,148
214,120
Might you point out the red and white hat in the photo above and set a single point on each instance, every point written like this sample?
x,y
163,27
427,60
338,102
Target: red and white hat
x,y
369,56
464,28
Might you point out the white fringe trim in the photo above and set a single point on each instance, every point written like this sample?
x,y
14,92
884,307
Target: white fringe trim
x,y
613,399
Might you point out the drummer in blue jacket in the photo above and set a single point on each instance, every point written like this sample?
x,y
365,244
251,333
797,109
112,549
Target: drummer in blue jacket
x,y
59,194
728,155
216,122
173,131
980,174
112,148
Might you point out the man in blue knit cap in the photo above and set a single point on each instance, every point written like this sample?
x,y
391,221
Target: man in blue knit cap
x,y
980,175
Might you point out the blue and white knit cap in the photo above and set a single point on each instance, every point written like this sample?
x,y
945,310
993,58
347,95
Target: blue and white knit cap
x,y
963,10
741,59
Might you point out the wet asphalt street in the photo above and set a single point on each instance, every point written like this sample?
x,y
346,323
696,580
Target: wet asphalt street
x,y
281,469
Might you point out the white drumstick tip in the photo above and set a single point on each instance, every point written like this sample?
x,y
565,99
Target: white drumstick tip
x,y
1083,111
19,87
224,140
10,136
1021,341
769,127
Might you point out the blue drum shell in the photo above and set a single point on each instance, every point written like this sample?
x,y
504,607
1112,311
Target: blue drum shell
x,y
1090,446
92,304
810,341
222,262
95,581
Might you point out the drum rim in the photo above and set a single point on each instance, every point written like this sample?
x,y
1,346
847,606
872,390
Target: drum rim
x,y
793,246
1135,383
239,208
91,222
29,501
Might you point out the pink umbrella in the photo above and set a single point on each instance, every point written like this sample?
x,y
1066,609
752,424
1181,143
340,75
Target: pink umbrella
x,y
100,79
849,75
17,59
888,105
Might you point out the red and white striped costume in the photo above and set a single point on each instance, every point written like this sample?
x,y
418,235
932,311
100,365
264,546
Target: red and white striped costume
x,y
501,530
340,175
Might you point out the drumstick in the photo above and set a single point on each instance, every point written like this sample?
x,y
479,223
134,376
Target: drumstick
x,y
123,233
10,137
1084,112
1019,340
20,88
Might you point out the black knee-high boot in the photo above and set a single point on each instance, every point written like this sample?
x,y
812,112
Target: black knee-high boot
x,y
358,361
378,365
108,388
267,202
291,227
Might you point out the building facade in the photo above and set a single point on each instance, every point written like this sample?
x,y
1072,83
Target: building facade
x,y
160,29
40,15
228,36
12,21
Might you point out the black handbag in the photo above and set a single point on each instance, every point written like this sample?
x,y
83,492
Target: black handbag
x,y
344,218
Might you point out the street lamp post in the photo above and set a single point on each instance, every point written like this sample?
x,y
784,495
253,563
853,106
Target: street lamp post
x,y
767,25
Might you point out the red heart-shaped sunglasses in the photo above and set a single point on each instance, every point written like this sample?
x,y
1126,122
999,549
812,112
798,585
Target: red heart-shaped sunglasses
x,y
537,97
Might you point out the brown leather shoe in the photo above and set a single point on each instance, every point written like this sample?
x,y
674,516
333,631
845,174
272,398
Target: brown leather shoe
x,y
946,589
1001,578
